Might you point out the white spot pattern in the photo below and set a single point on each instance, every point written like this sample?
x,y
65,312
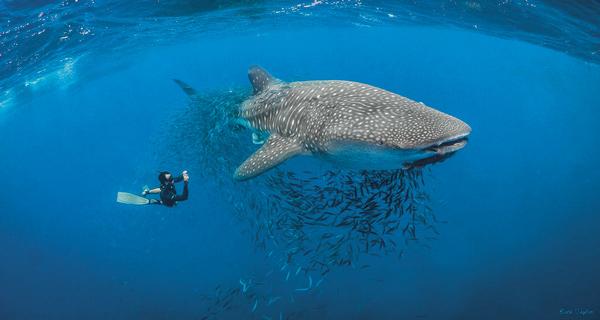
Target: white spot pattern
x,y
321,116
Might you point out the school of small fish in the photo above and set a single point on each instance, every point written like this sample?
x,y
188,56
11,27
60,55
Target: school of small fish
x,y
307,222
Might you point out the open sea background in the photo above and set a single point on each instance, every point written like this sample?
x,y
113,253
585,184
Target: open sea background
x,y
86,94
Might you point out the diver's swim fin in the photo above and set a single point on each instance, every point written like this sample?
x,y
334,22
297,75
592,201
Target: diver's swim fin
x,y
130,198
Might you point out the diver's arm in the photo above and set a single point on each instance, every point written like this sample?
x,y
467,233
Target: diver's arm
x,y
184,195
181,177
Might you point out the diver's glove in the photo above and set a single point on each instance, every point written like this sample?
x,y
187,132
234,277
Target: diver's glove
x,y
145,192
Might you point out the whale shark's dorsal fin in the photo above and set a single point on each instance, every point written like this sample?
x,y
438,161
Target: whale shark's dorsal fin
x,y
275,151
260,79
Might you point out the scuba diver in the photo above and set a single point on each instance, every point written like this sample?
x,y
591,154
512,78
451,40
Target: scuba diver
x,y
168,194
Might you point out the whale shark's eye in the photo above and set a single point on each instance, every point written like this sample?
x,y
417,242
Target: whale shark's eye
x,y
380,142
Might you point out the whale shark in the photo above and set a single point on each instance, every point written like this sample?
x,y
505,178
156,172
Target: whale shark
x,y
349,124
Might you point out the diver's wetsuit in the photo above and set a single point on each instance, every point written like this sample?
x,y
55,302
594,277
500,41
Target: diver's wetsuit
x,y
169,195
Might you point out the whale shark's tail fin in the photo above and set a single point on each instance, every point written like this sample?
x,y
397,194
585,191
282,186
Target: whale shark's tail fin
x,y
260,79
129,198
186,88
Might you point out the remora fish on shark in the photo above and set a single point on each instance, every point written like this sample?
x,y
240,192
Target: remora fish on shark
x,y
349,124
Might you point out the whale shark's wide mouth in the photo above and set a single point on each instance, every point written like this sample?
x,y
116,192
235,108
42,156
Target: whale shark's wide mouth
x,y
440,152
440,157
448,146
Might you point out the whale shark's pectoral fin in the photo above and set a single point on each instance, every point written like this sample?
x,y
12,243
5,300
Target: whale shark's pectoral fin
x,y
260,79
275,151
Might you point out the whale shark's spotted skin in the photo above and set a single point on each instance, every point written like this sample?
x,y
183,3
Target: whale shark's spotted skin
x,y
350,124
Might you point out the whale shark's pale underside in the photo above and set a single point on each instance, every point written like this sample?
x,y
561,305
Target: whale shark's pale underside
x,y
349,124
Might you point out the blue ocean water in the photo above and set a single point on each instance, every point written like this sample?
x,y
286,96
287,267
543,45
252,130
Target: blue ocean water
x,y
89,109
